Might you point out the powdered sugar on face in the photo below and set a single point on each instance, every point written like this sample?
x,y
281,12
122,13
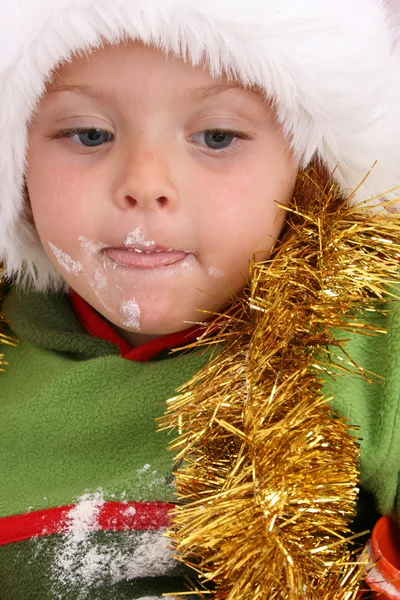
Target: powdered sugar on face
x,y
100,278
130,312
97,276
214,272
65,261
137,238
90,247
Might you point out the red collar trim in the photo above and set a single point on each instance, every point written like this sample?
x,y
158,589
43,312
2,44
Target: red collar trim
x,y
98,327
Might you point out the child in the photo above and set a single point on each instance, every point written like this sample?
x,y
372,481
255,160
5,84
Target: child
x,y
147,150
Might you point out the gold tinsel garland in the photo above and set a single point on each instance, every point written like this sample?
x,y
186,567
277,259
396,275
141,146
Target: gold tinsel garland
x,y
268,479
4,338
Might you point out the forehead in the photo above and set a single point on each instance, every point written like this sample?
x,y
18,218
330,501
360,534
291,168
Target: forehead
x,y
110,70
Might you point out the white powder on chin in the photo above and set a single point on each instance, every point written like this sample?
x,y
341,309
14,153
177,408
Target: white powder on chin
x,y
99,296
130,313
65,261
82,564
99,274
176,270
214,272
100,279
136,237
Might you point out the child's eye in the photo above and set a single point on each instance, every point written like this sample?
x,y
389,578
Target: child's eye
x,y
94,137
218,139
85,137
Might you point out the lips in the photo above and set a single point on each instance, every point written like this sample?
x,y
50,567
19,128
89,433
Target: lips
x,y
141,258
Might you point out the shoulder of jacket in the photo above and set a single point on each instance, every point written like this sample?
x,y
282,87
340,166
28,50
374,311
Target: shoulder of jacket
x,y
5,338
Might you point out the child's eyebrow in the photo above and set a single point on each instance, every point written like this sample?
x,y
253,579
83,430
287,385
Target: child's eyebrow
x,y
198,93
85,90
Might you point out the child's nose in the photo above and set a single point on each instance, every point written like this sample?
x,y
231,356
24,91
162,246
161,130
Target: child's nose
x,y
146,181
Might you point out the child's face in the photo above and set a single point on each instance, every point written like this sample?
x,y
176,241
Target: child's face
x,y
152,185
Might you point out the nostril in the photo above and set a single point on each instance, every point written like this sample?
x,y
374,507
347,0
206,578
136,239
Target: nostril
x,y
162,201
131,201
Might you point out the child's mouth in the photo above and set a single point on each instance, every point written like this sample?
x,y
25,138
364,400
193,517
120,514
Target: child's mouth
x,y
140,258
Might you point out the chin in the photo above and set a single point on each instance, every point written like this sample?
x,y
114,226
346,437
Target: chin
x,y
160,330
165,324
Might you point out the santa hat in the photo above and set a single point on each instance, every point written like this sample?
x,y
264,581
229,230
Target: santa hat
x,y
331,68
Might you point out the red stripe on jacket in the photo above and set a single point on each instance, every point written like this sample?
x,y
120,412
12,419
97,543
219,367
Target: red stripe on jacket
x,y
112,516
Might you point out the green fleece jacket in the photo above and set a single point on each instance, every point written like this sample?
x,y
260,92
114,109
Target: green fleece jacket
x,y
86,481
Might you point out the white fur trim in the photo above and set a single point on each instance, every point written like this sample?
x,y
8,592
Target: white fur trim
x,y
332,68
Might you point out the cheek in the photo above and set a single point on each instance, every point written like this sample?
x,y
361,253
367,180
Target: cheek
x,y
59,225
242,215
57,202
